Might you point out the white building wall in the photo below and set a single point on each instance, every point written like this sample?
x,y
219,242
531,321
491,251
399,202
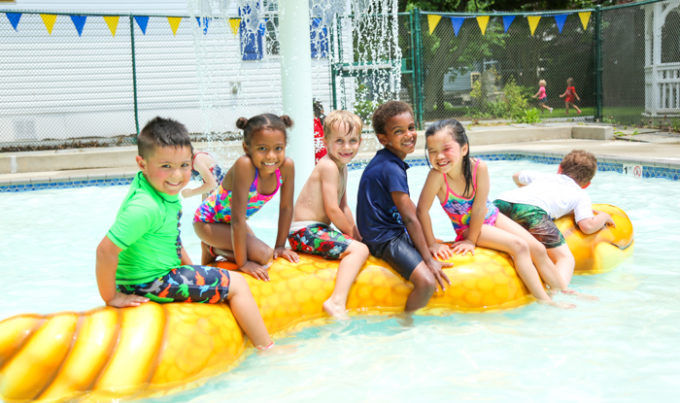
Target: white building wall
x,y
64,86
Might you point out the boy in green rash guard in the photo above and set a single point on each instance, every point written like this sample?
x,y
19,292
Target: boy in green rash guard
x,y
141,258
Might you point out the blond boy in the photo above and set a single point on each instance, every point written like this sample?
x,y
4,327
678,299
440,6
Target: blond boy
x,y
323,201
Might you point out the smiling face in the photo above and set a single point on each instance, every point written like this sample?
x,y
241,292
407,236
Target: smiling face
x,y
342,146
267,149
444,152
168,169
400,135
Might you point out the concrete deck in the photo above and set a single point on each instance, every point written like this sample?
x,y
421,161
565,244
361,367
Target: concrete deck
x,y
552,139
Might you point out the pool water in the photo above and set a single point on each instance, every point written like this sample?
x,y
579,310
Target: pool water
x,y
620,348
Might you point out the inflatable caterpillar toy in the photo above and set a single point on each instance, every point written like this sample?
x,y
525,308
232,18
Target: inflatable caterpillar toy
x,y
154,349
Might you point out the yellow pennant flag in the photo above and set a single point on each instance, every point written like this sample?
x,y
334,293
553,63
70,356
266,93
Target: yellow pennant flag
x,y
48,20
533,22
174,23
234,24
483,21
585,17
432,21
112,22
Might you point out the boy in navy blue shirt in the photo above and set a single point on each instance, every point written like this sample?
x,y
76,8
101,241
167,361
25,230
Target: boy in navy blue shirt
x,y
386,215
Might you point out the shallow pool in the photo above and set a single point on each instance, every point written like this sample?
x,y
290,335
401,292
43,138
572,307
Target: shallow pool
x,y
620,348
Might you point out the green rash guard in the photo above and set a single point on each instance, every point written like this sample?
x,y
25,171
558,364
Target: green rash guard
x,y
147,231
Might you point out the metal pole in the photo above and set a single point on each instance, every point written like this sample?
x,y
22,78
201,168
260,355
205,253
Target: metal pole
x,y
418,67
134,74
598,63
296,84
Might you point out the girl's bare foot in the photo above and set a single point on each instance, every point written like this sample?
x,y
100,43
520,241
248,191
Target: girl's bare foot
x,y
561,305
335,310
575,293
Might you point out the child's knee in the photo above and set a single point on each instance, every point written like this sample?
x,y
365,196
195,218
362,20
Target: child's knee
x,y
423,279
262,256
519,246
359,248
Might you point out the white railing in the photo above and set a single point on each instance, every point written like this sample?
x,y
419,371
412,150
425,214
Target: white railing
x,y
662,89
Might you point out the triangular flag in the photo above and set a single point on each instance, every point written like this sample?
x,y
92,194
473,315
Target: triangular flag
x,y
79,22
533,22
432,21
457,22
585,17
203,22
112,22
559,20
507,21
142,22
483,21
174,23
14,19
48,20
234,24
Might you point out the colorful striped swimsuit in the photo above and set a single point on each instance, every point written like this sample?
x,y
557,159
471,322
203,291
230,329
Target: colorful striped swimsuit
x,y
217,206
458,207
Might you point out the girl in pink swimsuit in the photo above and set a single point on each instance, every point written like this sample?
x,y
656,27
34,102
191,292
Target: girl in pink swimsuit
x,y
462,185
255,177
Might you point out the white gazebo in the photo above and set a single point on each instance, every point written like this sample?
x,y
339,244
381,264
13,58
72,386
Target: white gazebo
x,y
662,77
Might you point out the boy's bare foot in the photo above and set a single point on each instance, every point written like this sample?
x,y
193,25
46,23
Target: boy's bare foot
x,y
575,293
561,305
335,310
405,319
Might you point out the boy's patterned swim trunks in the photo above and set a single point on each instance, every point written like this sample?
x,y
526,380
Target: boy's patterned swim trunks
x,y
319,239
186,283
535,220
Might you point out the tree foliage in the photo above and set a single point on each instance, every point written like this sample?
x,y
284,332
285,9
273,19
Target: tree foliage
x,y
502,5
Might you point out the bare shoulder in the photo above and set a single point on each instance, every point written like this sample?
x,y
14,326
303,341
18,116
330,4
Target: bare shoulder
x,y
288,167
326,167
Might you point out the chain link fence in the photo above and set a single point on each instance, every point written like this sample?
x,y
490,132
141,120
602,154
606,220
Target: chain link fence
x,y
67,83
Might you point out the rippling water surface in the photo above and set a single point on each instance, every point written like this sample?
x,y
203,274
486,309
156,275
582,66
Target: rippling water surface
x,y
621,348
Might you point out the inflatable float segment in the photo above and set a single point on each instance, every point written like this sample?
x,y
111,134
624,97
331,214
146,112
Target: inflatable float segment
x,y
109,353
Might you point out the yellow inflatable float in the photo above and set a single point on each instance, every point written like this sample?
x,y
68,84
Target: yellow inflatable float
x,y
110,353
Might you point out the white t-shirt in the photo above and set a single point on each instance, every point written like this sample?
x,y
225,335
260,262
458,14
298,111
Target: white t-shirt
x,y
557,194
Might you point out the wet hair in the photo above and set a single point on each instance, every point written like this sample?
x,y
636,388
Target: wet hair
x,y
542,82
387,111
162,132
570,81
262,122
338,118
457,132
579,165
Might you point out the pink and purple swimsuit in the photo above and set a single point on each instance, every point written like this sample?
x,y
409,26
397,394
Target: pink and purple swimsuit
x,y
217,206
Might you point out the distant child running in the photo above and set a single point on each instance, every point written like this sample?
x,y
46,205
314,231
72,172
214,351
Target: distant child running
x,y
462,185
541,198
570,96
253,180
323,201
204,165
542,96
386,215
141,258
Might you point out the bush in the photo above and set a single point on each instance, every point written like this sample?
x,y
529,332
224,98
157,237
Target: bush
x,y
512,104
364,107
529,116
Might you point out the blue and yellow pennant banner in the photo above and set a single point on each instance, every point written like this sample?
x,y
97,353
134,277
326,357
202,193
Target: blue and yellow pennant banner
x,y
483,21
79,22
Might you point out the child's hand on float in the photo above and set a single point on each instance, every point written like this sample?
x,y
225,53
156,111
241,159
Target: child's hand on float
x,y
256,270
286,253
609,221
436,267
463,247
121,300
441,251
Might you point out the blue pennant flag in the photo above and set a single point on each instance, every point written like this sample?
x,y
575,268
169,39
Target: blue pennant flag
x,y
507,21
457,22
79,22
560,19
14,19
142,22
203,22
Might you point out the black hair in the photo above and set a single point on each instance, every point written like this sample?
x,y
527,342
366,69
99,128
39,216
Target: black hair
x,y
261,122
457,132
387,111
162,132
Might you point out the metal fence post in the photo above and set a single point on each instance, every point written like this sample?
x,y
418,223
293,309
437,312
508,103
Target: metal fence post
x,y
598,63
417,45
134,73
